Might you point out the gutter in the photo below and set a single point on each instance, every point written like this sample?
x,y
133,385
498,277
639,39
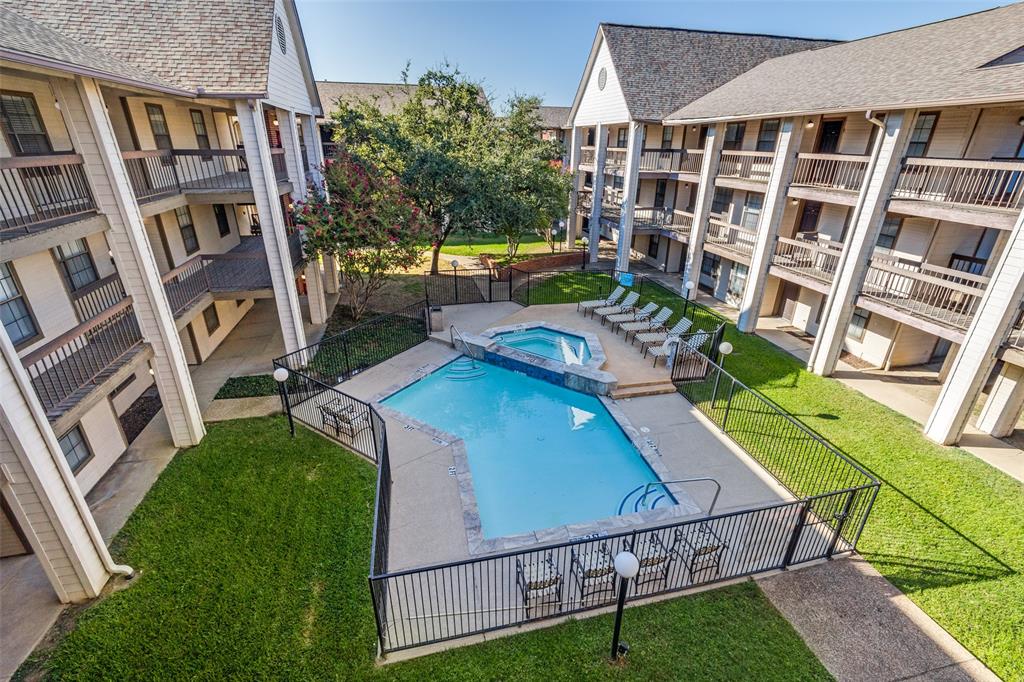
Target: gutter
x,y
49,63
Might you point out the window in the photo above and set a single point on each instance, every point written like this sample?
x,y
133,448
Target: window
x,y
622,137
188,230
14,310
709,266
590,137
76,263
158,124
618,182
199,126
921,135
211,318
19,117
858,324
720,202
653,245
702,137
734,135
666,137
588,179
76,450
767,135
660,187
751,210
221,214
889,232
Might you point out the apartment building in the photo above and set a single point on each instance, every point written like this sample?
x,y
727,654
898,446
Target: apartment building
x,y
386,96
870,194
147,165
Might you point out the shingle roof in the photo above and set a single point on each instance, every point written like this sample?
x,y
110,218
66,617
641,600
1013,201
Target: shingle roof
x,y
661,69
221,46
924,65
554,117
387,96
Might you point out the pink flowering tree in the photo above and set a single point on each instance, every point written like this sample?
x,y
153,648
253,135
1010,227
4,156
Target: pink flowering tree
x,y
367,223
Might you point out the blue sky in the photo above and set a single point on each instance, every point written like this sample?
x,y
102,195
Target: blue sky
x,y
541,48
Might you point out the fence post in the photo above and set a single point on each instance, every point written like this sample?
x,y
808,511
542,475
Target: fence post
x,y
376,616
527,287
283,385
490,294
456,285
348,365
841,518
794,539
728,404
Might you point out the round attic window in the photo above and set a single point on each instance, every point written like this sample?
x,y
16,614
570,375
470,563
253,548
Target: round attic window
x,y
282,38
602,78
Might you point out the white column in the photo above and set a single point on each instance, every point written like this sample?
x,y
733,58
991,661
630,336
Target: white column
x,y
94,137
634,146
315,296
702,206
314,149
1005,402
977,355
268,205
768,222
571,225
289,132
331,282
864,226
601,138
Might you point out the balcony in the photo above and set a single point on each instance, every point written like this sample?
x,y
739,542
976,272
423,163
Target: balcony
x,y
817,260
41,192
753,166
830,171
936,294
163,172
615,157
1015,339
983,193
584,201
651,218
692,162
682,223
731,240
588,156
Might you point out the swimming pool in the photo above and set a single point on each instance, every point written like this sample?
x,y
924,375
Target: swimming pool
x,y
540,455
548,343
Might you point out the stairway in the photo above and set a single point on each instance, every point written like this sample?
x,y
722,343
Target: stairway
x,y
635,501
465,369
642,388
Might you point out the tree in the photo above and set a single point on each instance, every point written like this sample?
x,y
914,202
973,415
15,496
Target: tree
x,y
367,222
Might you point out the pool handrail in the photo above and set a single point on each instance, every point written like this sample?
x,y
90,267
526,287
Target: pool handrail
x,y
648,489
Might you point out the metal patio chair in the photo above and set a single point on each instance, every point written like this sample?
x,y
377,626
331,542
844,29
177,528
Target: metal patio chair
x,y
539,582
593,571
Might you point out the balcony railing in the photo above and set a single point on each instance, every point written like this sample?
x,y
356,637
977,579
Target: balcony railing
x,y
66,369
584,202
588,156
651,217
830,171
169,171
942,295
666,160
1015,339
682,222
747,165
40,190
94,298
692,162
963,182
615,157
818,260
732,237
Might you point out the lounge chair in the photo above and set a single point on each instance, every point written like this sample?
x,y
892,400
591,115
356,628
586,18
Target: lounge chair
x,y
631,316
702,550
627,304
689,347
656,322
652,338
343,419
613,298
655,555
593,571
540,582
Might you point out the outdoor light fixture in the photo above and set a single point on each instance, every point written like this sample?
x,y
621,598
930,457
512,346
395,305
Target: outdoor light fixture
x,y
725,348
627,566
1020,121
454,264
280,375
794,201
687,289
810,124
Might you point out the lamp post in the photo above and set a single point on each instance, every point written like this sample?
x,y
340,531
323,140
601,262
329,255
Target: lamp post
x,y
281,377
688,289
724,349
627,566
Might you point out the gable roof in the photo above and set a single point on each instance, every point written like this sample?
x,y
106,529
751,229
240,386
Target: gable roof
x,y
930,65
554,117
387,96
220,47
660,68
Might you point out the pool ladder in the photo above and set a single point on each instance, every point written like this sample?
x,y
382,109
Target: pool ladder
x,y
640,504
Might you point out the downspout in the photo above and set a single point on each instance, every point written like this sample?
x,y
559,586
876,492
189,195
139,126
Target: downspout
x,y
857,210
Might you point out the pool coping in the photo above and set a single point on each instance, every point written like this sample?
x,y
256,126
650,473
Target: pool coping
x,y
477,544
597,354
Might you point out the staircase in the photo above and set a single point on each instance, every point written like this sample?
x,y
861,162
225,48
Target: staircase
x,y
464,369
642,388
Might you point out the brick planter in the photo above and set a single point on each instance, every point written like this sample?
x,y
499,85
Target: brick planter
x,y
535,264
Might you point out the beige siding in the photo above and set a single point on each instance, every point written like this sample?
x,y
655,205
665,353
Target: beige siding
x,y
123,400
602,106
949,140
106,441
230,314
914,238
47,297
286,83
953,238
40,90
998,133
912,347
874,347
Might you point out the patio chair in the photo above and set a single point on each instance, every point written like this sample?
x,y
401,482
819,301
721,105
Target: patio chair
x,y
593,571
656,322
652,338
631,315
701,550
655,555
539,582
627,304
613,298
343,418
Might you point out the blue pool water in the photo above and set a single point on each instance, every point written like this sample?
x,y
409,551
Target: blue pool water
x,y
567,348
540,455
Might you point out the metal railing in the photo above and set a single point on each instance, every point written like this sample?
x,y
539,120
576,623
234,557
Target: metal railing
x,y
666,160
692,162
747,165
36,190
67,368
832,171
931,292
186,284
818,260
731,237
156,173
94,298
963,182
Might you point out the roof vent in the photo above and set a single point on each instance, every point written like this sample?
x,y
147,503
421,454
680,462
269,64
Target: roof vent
x,y
282,38
602,78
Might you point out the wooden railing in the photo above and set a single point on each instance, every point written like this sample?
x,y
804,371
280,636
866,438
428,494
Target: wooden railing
x,y
747,165
651,217
588,156
1015,339
169,171
964,182
732,237
615,157
661,159
39,189
682,222
584,201
692,162
94,298
819,260
831,171
939,294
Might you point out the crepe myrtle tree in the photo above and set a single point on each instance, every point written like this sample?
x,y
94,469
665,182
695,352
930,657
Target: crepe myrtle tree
x,y
367,222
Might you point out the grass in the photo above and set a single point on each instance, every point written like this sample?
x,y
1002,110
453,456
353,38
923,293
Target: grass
x,y
254,386
463,245
946,529
252,551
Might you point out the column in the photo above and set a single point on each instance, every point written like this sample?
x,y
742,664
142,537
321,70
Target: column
x,y
268,205
571,225
702,206
977,354
1003,408
601,137
865,223
315,295
289,131
42,494
768,222
93,135
634,146
314,149
331,282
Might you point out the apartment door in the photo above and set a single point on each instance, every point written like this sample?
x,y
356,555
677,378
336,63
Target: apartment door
x,y
809,217
790,295
828,138
12,539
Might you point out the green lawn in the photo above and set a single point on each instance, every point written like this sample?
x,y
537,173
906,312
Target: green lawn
x,y
462,245
253,386
253,549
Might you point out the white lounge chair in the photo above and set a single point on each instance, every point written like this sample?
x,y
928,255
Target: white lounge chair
x,y
627,304
690,346
652,338
613,298
656,322
631,316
